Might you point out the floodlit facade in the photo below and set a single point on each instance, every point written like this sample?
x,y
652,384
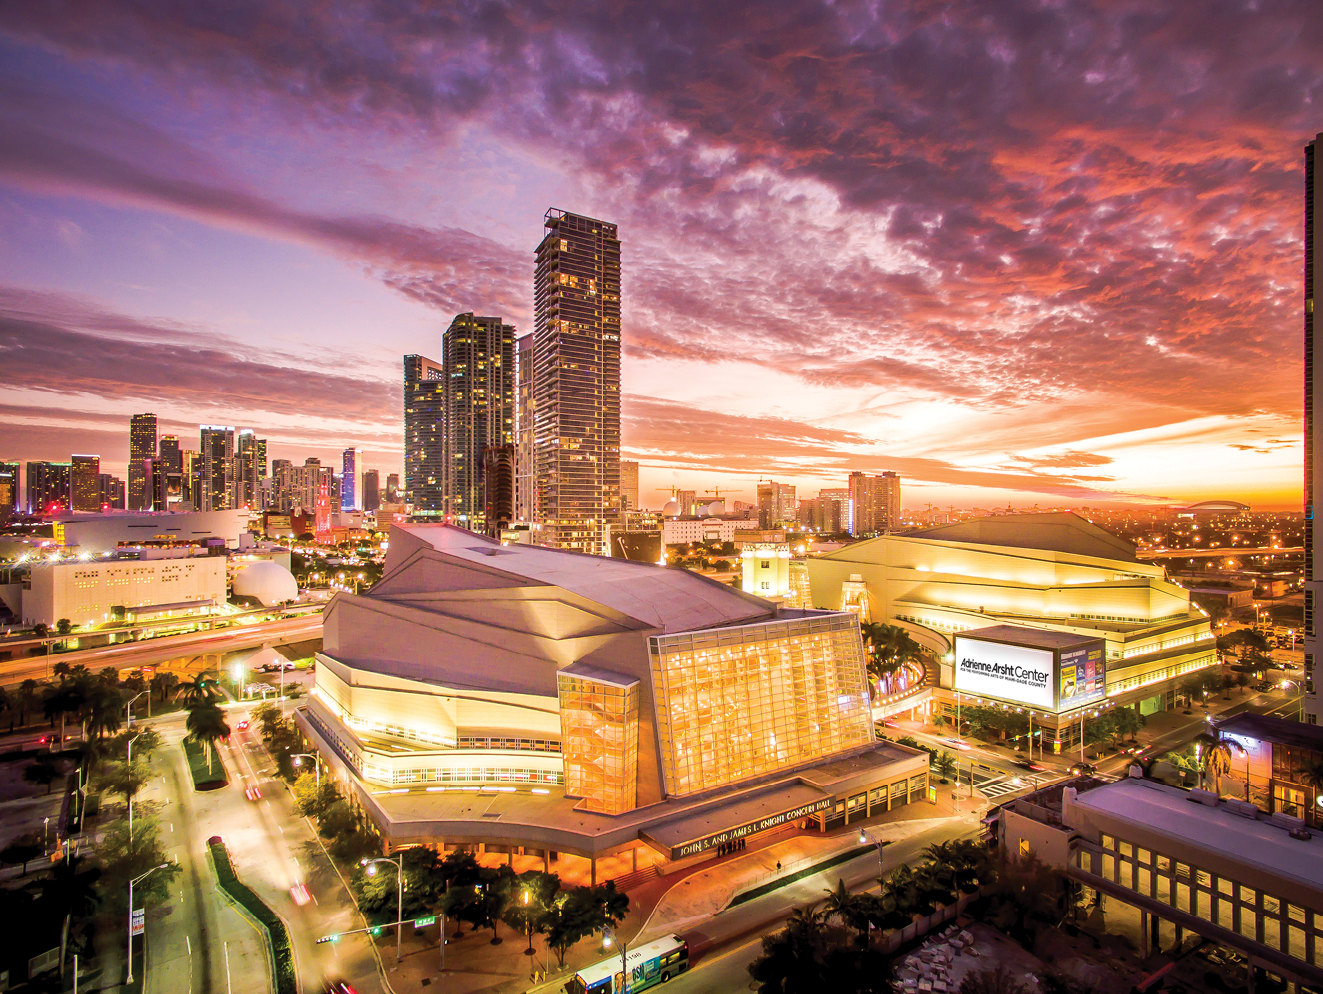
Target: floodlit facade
x,y
142,447
424,434
613,697
1051,572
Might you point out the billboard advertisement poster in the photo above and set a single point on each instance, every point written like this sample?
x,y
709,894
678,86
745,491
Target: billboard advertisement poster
x,y
1082,676
1011,673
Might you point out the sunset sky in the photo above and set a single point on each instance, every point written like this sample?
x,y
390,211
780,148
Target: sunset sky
x,y
1029,253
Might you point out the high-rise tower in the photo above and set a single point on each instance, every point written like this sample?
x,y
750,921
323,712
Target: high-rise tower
x,y
576,381
142,446
216,489
85,483
351,480
477,355
525,474
1310,709
424,434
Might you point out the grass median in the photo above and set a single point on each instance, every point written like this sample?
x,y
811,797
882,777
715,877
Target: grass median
x,y
282,951
204,779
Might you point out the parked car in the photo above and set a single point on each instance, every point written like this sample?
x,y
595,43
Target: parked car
x,y
1079,769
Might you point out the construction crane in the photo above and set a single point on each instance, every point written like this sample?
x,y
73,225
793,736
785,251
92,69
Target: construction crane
x,y
718,491
672,490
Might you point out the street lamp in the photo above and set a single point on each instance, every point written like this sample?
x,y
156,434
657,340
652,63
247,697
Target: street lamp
x,y
1300,699
865,837
128,709
132,882
371,865
609,936
128,763
317,767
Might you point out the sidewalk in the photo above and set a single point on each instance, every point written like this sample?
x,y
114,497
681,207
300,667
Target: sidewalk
x,y
666,904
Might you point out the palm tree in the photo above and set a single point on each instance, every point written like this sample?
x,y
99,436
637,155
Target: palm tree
x,y
840,903
1214,751
202,689
890,648
1312,777
206,723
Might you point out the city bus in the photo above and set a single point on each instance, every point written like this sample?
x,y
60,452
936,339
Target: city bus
x,y
649,965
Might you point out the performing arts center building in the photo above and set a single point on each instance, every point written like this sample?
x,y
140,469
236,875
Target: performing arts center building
x,y
1044,613
535,702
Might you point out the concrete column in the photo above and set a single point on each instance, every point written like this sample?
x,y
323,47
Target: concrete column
x,y
594,876
1145,948
510,859
847,809
1249,979
634,855
1155,936
546,861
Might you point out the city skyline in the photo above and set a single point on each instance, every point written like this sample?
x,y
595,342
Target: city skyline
x,y
1078,299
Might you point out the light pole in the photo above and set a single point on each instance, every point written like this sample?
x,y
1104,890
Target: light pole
x,y
609,936
1300,699
132,882
865,836
317,767
128,763
128,711
371,865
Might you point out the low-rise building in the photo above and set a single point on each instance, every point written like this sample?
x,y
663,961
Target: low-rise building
x,y
1276,764
1186,862
96,591
101,533
682,531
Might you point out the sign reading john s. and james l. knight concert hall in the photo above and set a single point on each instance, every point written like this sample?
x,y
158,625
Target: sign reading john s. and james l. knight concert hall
x,y
753,827
1058,674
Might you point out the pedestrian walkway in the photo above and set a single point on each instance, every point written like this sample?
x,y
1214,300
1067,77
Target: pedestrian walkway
x,y
707,892
1009,785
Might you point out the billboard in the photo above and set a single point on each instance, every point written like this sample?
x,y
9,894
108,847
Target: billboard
x,y
1082,673
1007,672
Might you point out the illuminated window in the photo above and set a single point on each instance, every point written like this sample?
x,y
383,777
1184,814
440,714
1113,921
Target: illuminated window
x,y
599,721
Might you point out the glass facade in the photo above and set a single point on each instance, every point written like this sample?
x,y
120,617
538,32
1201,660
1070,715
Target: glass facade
x,y
599,722
742,702
424,434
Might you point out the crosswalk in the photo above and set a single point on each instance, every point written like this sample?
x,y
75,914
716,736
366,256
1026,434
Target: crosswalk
x,y
1008,785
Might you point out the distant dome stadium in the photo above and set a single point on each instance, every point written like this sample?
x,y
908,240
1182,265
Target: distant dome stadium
x,y
266,582
1218,507
670,509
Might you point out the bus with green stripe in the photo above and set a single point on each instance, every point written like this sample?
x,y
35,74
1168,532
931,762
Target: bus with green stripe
x,y
649,965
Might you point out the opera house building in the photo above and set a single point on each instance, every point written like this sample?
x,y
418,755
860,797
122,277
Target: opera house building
x,y
541,703
986,595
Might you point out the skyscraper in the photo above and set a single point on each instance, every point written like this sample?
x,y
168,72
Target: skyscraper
x,y
576,381
169,472
249,467
371,490
85,483
48,487
216,489
1310,707
9,486
629,485
351,483
392,488
776,504
525,475
875,503
142,445
477,356
424,434
498,488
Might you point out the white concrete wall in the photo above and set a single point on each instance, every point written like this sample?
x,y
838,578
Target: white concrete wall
x,y
84,592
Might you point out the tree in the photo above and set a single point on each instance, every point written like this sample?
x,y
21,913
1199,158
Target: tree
x,y
1214,751
992,981
63,626
206,723
578,913
24,850
890,647
840,903
202,689
313,798
43,771
801,959
63,700
163,683
145,742
41,629
532,895
945,764
125,779
27,699
125,856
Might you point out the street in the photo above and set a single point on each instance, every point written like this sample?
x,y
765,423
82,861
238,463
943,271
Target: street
x,y
152,652
272,848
